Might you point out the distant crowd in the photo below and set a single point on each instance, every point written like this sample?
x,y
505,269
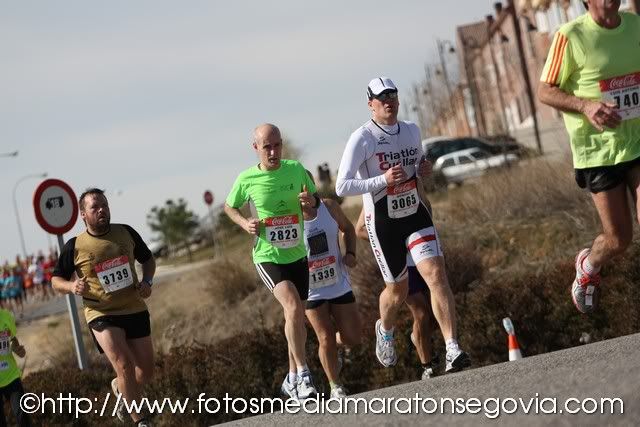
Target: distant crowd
x,y
26,280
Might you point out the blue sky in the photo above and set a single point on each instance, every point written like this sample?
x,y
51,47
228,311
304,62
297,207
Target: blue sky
x,y
153,100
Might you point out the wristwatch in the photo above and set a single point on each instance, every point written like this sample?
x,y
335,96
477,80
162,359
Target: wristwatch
x,y
148,281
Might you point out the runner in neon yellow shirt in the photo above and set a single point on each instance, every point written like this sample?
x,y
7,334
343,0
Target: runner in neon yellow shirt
x,y
10,383
592,75
276,189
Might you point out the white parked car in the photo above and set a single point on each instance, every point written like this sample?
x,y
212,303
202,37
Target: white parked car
x,y
470,163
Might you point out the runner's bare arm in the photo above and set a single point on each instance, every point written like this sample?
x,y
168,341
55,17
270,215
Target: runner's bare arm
x,y
148,271
599,114
361,229
17,348
250,225
348,232
76,287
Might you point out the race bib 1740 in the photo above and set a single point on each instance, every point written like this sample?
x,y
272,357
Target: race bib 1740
x,y
114,274
283,231
402,199
624,91
323,272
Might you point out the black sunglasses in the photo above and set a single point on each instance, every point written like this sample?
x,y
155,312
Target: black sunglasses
x,y
386,96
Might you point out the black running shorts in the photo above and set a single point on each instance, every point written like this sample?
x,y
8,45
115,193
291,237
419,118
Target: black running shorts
x,y
136,325
604,178
347,298
296,272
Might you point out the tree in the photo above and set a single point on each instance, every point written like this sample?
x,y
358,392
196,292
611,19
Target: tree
x,y
174,222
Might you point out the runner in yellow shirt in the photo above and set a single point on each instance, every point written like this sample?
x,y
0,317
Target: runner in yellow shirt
x,y
592,75
10,383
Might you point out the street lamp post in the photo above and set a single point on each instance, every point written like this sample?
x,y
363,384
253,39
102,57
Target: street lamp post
x,y
442,45
15,207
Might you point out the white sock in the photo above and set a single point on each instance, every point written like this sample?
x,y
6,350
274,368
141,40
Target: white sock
x,y
452,344
588,268
303,369
292,377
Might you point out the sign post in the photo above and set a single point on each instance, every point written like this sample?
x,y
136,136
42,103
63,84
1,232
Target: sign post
x,y
56,209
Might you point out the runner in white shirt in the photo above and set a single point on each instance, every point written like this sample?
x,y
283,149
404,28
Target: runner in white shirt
x,y
331,306
382,161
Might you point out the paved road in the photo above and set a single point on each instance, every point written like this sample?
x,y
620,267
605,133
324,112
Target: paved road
x,y
38,310
605,369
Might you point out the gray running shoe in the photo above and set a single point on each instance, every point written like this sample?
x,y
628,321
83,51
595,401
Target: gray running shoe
x,y
305,387
585,290
288,389
121,413
385,347
457,360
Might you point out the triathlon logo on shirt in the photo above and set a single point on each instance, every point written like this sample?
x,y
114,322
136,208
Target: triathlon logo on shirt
x,y
406,157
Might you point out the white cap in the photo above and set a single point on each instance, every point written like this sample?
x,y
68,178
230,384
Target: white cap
x,y
379,85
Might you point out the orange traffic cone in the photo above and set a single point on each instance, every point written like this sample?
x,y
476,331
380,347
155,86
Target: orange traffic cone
x,y
514,348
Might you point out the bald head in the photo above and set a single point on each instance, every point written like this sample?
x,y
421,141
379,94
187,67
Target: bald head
x,y
266,131
267,142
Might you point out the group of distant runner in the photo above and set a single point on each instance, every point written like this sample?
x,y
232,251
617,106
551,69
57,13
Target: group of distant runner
x,y
592,75
28,279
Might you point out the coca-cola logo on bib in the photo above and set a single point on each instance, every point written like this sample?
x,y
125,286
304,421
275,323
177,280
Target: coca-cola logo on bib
x,y
282,220
403,188
618,83
106,265
313,265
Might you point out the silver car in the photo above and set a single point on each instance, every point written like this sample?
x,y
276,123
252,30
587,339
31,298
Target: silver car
x,y
470,163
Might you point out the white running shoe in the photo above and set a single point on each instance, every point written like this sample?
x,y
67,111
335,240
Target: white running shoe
x,y
305,387
121,413
338,392
385,347
288,389
585,290
457,360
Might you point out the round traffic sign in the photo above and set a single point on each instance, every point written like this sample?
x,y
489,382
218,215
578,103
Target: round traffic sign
x,y
208,197
55,206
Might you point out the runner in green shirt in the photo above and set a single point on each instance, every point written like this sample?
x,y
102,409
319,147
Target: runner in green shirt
x,y
10,383
592,75
276,189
